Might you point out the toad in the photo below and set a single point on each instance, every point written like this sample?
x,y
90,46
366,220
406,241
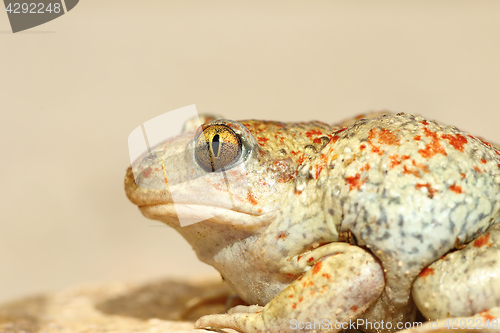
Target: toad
x,y
370,221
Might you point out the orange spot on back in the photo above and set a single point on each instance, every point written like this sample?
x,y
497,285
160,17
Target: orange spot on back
x,y
430,190
387,137
417,137
341,130
482,241
426,272
483,161
485,142
310,259
354,308
334,139
395,160
317,267
313,132
407,171
377,150
317,140
424,167
432,148
458,141
456,188
355,182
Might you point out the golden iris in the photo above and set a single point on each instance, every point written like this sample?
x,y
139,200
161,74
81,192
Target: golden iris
x,y
217,147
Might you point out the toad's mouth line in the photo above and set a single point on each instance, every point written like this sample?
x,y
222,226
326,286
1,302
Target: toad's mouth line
x,y
167,211
197,206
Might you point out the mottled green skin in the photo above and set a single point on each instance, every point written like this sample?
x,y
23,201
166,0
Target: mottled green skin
x,y
407,189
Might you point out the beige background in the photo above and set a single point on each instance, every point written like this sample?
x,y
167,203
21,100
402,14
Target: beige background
x,y
73,89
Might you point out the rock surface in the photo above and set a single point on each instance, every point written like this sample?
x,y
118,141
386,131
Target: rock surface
x,y
160,306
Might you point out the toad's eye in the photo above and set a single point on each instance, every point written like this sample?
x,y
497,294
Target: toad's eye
x,y
217,147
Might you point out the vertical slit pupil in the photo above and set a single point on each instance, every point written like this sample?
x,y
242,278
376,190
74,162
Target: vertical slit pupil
x,y
216,145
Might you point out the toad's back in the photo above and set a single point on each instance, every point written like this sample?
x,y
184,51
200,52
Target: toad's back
x,y
410,189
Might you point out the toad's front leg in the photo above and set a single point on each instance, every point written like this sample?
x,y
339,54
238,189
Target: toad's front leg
x,y
338,287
